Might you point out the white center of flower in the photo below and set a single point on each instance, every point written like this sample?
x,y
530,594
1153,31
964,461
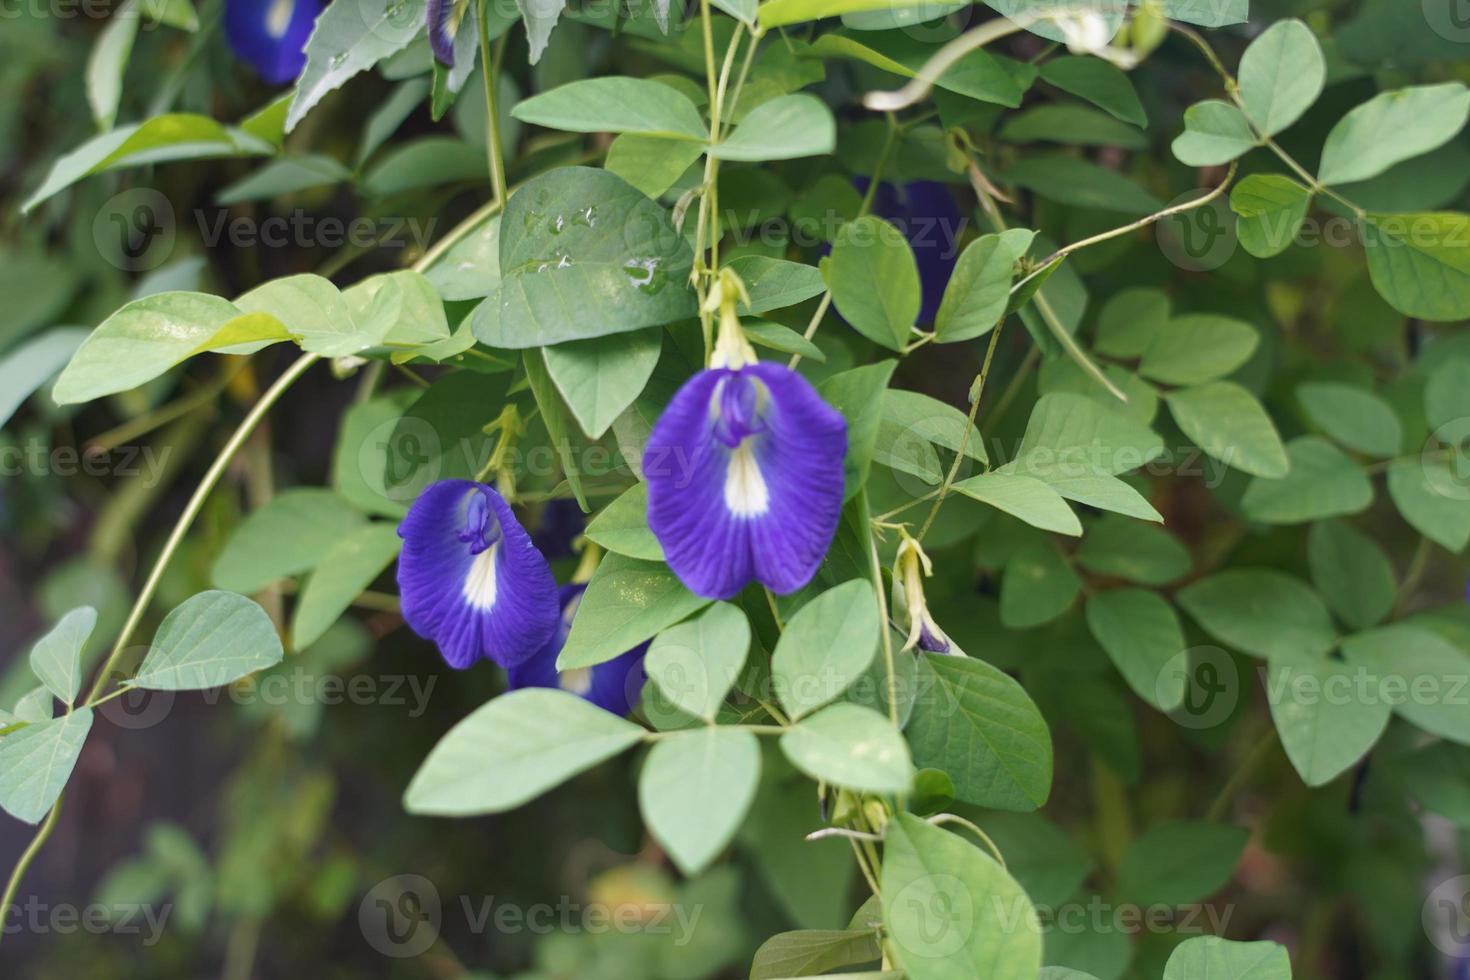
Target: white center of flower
x,y
479,584
578,680
278,18
745,488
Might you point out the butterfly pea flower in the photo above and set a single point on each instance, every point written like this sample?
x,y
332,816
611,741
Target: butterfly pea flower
x,y
445,18
470,578
744,472
911,567
613,686
271,35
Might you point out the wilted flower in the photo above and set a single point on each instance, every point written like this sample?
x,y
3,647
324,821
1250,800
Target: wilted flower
x,y
271,35
744,471
470,578
911,567
613,686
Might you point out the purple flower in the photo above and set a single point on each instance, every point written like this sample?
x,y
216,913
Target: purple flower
x,y
470,578
744,472
445,18
613,686
271,35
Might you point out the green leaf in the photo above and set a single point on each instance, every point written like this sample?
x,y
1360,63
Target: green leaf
x,y
1422,675
694,791
1393,127
366,451
1352,573
774,284
1326,718
826,646
1420,263
1353,416
1069,180
976,75
1198,348
553,416
344,573
1073,435
471,267
1270,210
1447,394
1047,861
584,254
400,307
35,706
1072,125
108,61
1103,84
622,526
56,659
977,724
764,333
696,662
512,750
1141,633
859,395
1229,424
1323,482
29,367
1105,493
1431,496
1130,320
785,128
350,38
1039,585
162,139
429,161
1179,863
599,378
1024,497
913,414
951,912
615,104
1136,552
809,952
874,280
1210,956
141,341
1215,133
288,175
210,640
1281,75
852,747
652,164
441,436
627,601
1262,612
36,762
979,289
312,308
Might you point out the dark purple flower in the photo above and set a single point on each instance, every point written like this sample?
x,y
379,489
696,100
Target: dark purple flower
x,y
613,686
744,472
445,18
470,578
561,524
271,35
924,210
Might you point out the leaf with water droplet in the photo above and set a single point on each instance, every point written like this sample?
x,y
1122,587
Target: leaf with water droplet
x,y
585,254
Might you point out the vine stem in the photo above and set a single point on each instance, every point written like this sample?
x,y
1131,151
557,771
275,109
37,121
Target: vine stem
x,y
1242,776
191,511
489,67
882,600
23,865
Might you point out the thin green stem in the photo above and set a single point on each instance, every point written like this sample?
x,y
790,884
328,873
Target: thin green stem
x,y
24,864
489,67
1242,776
191,511
1418,565
879,596
976,393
